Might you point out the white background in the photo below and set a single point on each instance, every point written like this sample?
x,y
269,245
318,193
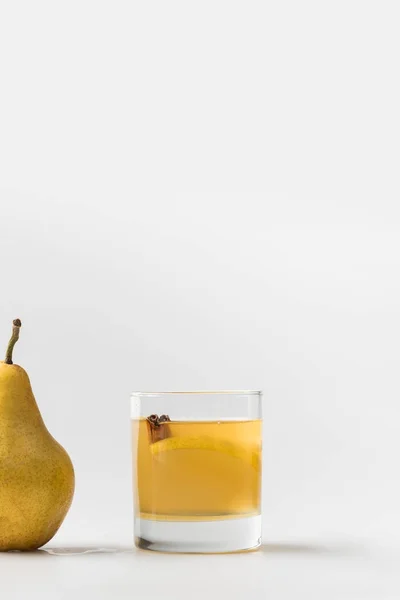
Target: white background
x,y
205,195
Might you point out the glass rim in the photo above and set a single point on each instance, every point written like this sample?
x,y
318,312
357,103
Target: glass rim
x,y
201,393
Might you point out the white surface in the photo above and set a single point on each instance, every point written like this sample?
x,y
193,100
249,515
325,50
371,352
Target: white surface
x,y
206,195
280,571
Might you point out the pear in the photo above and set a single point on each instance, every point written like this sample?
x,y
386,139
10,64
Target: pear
x,y
36,474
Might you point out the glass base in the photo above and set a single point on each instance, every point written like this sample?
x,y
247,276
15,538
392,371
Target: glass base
x,y
229,535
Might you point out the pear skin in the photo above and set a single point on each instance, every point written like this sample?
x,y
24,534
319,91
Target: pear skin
x,y
36,474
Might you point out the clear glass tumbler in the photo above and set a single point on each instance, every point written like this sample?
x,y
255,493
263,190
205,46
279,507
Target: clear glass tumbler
x,y
197,470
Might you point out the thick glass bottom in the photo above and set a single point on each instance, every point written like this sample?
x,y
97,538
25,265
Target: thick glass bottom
x,y
227,535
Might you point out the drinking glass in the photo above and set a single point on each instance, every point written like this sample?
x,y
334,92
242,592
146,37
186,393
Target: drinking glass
x,y
197,470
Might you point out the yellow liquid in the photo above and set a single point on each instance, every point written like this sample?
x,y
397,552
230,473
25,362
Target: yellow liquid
x,y
203,470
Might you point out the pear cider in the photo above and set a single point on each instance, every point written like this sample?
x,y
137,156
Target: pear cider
x,y
197,470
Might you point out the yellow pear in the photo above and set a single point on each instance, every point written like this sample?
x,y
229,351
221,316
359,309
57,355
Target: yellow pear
x,y
36,474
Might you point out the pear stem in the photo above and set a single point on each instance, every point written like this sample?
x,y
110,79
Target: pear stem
x,y
14,339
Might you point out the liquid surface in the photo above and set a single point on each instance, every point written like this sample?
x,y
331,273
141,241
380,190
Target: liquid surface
x,y
197,470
